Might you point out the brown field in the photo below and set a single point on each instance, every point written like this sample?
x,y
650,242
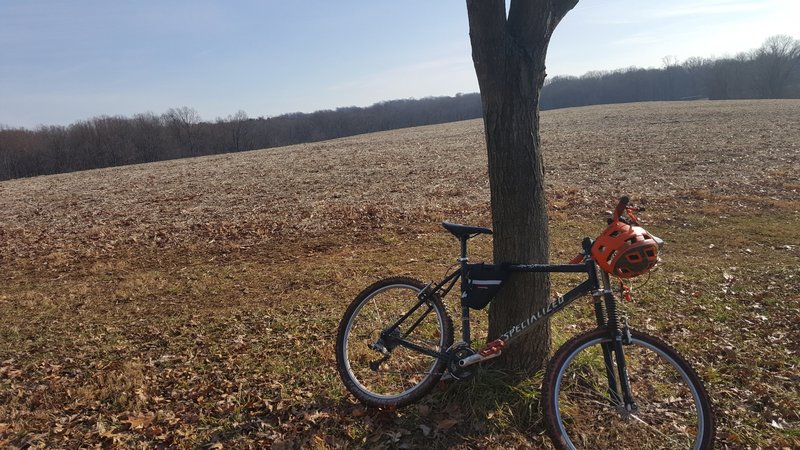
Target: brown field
x,y
194,303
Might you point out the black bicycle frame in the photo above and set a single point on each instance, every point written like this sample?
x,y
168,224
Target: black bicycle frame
x,y
387,335
589,286
613,352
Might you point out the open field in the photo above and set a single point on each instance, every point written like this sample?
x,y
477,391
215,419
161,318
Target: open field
x,y
194,303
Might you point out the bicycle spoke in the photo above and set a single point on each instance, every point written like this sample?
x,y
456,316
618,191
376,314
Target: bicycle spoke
x,y
667,403
400,370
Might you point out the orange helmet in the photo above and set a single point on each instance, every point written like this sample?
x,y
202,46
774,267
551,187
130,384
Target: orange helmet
x,y
625,250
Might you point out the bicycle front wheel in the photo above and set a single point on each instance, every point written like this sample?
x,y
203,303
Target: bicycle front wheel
x,y
672,410
371,359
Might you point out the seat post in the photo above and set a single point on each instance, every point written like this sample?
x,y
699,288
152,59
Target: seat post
x,y
463,248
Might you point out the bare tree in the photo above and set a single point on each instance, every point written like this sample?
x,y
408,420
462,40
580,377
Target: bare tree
x,y
509,57
237,131
148,139
776,61
183,122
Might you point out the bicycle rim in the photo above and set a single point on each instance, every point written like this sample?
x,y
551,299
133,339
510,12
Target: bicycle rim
x,y
672,408
405,372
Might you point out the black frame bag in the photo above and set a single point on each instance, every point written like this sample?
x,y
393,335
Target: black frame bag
x,y
482,284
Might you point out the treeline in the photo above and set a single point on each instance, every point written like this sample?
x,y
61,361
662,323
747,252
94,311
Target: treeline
x,y
772,71
180,133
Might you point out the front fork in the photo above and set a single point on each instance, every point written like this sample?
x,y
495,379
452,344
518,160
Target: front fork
x,y
619,389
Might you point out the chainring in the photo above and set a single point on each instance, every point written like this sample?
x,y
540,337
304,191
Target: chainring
x,y
454,355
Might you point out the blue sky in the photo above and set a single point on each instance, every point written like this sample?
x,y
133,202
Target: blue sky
x,y
63,61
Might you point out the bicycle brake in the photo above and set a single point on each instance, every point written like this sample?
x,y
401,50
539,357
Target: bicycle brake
x,y
626,331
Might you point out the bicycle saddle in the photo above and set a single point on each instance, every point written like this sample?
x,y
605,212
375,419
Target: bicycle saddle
x,y
460,231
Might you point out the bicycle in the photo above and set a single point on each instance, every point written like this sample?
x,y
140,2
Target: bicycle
x,y
610,387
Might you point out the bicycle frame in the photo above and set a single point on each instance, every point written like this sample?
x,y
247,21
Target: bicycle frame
x,y
612,352
590,286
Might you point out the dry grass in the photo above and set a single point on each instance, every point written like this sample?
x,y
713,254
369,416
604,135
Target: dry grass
x,y
194,302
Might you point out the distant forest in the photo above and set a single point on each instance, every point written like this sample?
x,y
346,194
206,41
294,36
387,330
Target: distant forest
x,y
771,71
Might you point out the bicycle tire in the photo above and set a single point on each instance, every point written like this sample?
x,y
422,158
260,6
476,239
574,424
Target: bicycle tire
x,y
673,406
406,375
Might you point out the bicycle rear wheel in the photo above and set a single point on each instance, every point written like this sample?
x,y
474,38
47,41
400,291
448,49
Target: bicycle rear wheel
x,y
673,409
379,371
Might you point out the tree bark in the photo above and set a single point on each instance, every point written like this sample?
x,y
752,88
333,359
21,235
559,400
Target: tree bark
x,y
509,58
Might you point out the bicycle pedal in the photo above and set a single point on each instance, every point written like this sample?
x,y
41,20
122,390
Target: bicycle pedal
x,y
492,348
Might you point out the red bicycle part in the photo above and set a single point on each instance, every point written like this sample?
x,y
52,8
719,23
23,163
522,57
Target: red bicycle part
x,y
492,348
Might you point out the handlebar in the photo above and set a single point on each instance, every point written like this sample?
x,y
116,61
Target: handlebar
x,y
624,208
621,206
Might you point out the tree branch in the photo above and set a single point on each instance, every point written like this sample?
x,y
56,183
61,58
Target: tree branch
x,y
530,20
487,33
561,8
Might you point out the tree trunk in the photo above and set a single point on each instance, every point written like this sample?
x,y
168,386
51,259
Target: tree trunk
x,y
509,55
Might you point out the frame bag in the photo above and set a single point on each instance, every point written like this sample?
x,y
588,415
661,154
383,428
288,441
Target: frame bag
x,y
483,283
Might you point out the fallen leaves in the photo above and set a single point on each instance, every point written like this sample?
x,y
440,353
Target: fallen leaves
x,y
139,422
446,424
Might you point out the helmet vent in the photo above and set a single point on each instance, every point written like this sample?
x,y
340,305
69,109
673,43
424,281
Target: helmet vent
x,y
611,256
614,233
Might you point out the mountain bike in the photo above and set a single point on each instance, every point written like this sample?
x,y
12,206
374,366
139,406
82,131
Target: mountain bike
x,y
610,387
